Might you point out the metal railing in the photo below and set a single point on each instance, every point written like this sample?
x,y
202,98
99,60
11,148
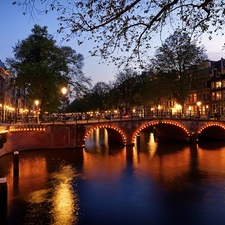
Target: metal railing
x,y
73,118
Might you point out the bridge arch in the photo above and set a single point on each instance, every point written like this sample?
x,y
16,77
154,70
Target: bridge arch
x,y
115,133
156,124
211,130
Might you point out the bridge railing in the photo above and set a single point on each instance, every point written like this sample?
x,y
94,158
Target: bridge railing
x,y
73,118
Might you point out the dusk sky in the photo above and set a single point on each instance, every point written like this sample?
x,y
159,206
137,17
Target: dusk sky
x,y
15,26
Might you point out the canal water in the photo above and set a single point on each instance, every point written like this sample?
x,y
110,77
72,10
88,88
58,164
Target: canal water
x,y
149,183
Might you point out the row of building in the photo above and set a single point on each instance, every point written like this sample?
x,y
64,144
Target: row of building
x,y
206,95
12,101
207,101
203,102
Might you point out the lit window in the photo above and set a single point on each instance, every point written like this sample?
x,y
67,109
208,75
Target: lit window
x,y
218,95
218,84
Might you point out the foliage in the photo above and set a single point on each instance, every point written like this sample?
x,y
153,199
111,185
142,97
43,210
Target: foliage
x,y
177,64
42,68
99,97
127,87
122,76
78,83
129,26
79,105
153,90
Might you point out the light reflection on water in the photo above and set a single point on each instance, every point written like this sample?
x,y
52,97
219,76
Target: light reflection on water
x,y
152,183
65,206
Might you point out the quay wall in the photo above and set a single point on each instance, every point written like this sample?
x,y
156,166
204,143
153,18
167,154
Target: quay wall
x,y
42,137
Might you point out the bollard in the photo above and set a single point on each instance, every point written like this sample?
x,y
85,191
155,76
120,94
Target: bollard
x,y
3,198
16,164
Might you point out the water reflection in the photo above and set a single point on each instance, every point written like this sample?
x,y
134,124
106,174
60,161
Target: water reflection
x,y
65,206
45,188
150,183
97,142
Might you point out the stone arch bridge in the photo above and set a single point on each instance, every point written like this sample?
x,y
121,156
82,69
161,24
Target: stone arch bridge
x,y
126,131
42,136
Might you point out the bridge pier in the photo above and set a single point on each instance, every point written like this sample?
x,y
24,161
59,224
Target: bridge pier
x,y
193,138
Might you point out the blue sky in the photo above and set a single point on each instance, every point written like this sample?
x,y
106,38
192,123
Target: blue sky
x,y
15,26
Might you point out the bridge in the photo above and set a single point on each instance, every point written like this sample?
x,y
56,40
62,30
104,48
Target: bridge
x,y
17,137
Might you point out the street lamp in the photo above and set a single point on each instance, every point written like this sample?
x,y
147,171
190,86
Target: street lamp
x,y
158,110
198,108
64,91
178,108
36,103
189,108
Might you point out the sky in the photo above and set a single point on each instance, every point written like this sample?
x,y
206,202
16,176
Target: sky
x,y
15,26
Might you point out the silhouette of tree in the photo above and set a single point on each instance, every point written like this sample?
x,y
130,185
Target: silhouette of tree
x,y
178,64
41,68
128,27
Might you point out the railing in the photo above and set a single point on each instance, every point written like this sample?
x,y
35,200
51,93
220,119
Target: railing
x,y
73,118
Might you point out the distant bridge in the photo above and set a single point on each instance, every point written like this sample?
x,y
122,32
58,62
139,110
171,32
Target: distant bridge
x,y
17,137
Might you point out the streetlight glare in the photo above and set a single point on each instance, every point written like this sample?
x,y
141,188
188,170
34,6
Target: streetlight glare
x,y
64,90
36,102
199,103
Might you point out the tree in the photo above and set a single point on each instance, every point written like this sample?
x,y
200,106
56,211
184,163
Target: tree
x,y
98,100
78,83
152,91
42,68
178,64
125,85
129,26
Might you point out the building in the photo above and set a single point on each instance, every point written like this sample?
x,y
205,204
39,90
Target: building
x,y
12,100
209,100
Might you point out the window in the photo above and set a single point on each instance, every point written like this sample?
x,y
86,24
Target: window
x,y
195,97
213,96
223,97
223,83
218,95
218,84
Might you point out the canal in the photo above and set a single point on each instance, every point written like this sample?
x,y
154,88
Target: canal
x,y
149,183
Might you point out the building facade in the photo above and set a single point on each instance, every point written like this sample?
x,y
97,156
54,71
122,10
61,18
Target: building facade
x,y
12,101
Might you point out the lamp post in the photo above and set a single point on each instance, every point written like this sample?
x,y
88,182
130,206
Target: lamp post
x,y
189,111
158,110
36,109
64,91
178,108
198,108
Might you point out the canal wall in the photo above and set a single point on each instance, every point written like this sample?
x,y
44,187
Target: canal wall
x,y
20,138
